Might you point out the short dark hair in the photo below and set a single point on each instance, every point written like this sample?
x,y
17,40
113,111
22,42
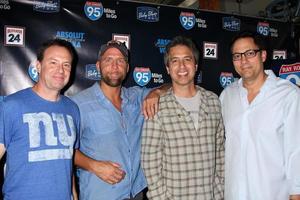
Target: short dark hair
x,y
181,40
258,40
55,42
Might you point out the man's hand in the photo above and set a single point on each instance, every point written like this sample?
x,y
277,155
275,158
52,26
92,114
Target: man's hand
x,y
108,171
294,197
150,104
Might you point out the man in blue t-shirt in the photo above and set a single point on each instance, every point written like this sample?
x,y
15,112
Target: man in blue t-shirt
x,y
38,130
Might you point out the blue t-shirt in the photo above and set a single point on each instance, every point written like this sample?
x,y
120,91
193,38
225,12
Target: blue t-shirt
x,y
39,137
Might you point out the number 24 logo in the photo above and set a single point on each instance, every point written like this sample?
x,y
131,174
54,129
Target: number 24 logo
x,y
210,52
12,38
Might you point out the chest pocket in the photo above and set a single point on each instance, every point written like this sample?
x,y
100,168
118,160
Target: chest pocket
x,y
101,122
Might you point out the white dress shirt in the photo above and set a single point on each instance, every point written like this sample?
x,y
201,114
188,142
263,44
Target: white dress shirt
x,y
262,151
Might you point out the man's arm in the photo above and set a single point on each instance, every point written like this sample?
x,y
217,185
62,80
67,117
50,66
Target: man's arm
x,y
294,197
150,103
220,159
2,147
108,171
74,190
291,142
152,153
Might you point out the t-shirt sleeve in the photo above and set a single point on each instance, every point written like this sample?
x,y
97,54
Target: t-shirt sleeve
x,y
1,123
5,123
78,128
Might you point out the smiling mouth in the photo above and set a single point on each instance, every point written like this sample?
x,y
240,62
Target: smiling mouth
x,y
182,73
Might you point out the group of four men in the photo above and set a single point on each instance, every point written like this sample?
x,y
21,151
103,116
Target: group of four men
x,y
180,145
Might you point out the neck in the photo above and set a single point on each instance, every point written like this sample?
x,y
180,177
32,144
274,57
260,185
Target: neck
x,y
50,95
113,94
255,85
184,91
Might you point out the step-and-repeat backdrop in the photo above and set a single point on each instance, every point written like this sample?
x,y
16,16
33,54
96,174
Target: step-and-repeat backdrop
x,y
145,28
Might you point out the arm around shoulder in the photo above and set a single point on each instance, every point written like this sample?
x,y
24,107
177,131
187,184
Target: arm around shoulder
x,y
150,103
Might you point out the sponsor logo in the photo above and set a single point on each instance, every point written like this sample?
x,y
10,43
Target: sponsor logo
x,y
161,44
124,38
231,23
157,78
187,20
93,10
279,54
290,72
273,32
76,38
226,78
263,28
14,36
91,72
210,50
32,72
4,5
110,13
142,75
147,14
47,6
201,23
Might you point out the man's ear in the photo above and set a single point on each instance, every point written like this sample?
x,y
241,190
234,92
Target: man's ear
x,y
38,66
98,66
127,70
264,55
167,67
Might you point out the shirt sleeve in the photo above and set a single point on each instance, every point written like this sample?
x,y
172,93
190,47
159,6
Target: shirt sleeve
x,y
152,154
141,92
292,140
220,160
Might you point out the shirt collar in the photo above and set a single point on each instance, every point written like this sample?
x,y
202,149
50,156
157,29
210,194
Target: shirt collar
x,y
97,90
269,83
99,93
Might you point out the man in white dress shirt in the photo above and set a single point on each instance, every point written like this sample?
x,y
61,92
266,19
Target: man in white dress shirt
x,y
262,125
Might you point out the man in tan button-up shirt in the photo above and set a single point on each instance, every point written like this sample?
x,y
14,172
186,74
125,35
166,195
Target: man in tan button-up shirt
x,y
183,146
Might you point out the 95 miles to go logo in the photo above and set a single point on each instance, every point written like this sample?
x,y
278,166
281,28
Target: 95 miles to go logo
x,y
142,75
93,10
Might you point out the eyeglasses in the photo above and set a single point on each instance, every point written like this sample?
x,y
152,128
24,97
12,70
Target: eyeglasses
x,y
248,54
